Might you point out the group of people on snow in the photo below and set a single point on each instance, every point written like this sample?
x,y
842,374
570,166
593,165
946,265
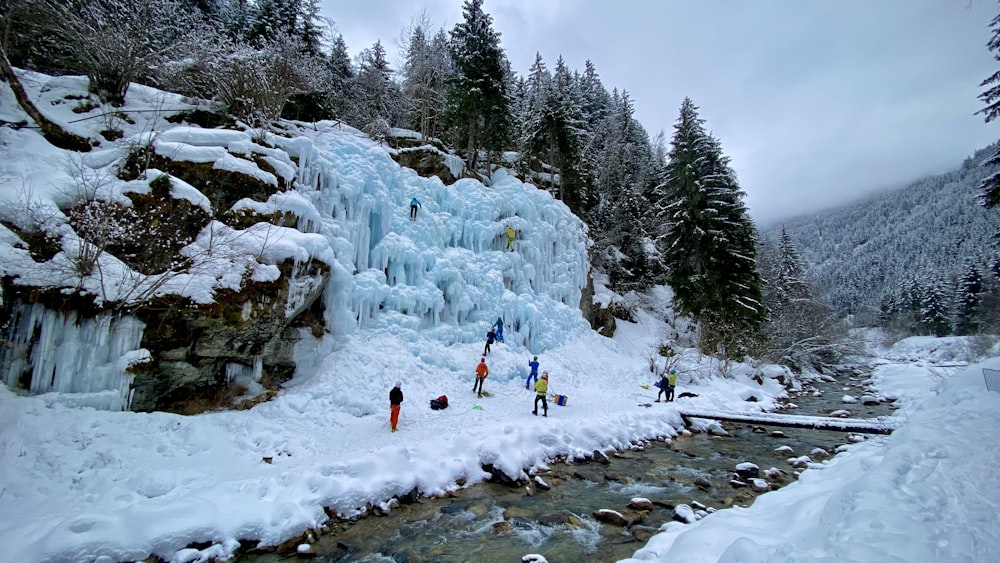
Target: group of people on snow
x,y
482,372
666,384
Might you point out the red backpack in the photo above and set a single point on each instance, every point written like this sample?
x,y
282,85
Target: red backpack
x,y
439,403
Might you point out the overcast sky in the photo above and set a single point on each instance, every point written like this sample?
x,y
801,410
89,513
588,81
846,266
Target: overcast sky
x,y
816,102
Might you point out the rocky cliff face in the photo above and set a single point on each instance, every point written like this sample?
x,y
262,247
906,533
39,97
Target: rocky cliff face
x,y
231,350
196,351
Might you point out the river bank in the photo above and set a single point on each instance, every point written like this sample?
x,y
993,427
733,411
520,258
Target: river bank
x,y
602,508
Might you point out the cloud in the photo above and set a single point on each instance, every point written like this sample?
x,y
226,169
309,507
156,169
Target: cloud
x,y
817,103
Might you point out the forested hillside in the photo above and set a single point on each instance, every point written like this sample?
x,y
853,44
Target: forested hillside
x,y
924,238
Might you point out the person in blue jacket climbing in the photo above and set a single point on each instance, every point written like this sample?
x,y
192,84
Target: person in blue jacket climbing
x,y
499,326
533,364
414,204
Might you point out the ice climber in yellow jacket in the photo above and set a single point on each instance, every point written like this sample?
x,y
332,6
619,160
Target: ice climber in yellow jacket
x,y
541,390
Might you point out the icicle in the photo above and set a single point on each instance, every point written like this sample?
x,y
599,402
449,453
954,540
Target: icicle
x,y
67,355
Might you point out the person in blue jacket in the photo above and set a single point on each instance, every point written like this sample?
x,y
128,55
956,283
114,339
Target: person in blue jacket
x,y
533,364
414,204
499,326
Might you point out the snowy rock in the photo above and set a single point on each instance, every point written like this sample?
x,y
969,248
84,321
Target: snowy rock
x,y
850,399
533,558
747,470
737,484
869,400
684,513
541,484
777,434
640,503
775,474
819,453
783,450
800,462
840,414
760,485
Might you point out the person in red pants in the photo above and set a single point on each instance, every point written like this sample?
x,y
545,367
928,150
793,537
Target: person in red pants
x,y
395,400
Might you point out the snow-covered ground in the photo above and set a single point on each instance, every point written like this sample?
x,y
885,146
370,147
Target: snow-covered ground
x,y
928,492
410,302
80,484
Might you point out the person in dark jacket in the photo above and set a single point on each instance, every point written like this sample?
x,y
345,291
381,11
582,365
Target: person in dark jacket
x,y
491,337
395,400
499,328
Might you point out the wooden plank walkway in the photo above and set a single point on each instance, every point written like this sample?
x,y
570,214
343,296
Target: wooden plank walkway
x,y
880,425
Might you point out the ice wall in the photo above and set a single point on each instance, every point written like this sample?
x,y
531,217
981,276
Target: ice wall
x,y
448,271
66,354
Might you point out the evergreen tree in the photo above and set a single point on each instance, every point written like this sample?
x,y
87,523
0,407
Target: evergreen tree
x,y
379,103
564,132
596,99
709,242
341,87
479,105
990,186
967,301
425,74
791,280
934,312
800,331
311,27
273,18
630,265
619,159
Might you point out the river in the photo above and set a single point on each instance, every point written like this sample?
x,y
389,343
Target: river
x,y
492,522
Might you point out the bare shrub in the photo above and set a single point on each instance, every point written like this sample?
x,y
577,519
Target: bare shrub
x,y
114,42
255,83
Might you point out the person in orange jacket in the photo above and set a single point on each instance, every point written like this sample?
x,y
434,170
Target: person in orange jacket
x,y
481,372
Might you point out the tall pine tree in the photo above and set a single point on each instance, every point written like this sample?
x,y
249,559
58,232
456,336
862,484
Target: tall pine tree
x,y
968,298
708,240
990,186
479,105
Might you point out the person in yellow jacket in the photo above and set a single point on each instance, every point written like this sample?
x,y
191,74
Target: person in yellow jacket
x,y
671,384
510,238
541,390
